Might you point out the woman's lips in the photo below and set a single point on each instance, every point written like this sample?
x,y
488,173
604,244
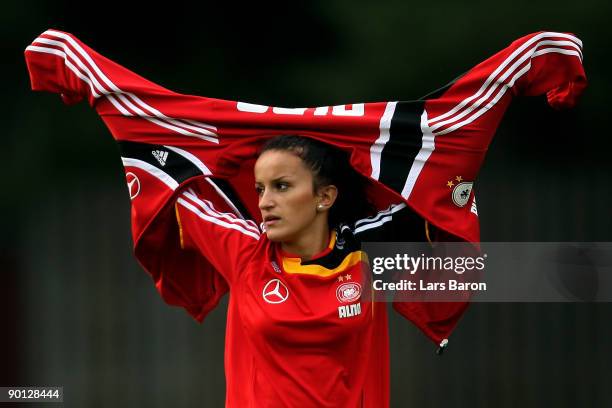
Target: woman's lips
x,y
269,222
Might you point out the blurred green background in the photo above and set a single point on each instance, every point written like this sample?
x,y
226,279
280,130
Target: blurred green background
x,y
77,310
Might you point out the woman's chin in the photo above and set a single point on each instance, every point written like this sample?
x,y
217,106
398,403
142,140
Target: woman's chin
x,y
278,235
274,236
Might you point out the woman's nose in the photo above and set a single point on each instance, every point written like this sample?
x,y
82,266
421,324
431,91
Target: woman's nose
x,y
265,201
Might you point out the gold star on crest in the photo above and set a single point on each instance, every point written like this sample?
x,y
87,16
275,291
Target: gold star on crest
x,y
450,184
347,277
458,178
340,279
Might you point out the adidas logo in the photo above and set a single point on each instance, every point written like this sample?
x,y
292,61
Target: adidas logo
x,y
161,156
473,209
275,267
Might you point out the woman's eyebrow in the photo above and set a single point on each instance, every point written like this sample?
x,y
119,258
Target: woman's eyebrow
x,y
279,178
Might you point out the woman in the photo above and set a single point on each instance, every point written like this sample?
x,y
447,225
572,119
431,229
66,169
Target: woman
x,y
298,332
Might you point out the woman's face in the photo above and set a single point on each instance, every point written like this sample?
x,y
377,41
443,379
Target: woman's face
x,y
287,200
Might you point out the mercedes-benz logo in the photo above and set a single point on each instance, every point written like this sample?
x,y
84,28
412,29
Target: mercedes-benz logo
x,y
133,184
275,291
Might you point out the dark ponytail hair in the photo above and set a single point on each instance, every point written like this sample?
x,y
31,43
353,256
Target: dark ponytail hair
x,y
329,165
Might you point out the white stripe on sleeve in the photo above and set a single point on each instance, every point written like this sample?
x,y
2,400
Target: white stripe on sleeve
x,y
215,220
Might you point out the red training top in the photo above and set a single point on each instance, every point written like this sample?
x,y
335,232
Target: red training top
x,y
299,333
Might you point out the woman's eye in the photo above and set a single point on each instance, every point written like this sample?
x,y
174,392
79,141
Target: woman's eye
x,y
282,186
259,190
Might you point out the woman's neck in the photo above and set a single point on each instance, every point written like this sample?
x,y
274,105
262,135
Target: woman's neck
x,y
310,244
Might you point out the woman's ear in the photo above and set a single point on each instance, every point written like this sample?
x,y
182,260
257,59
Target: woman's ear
x,y
327,196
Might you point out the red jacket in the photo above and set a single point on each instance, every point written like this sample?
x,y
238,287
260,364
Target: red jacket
x,y
425,153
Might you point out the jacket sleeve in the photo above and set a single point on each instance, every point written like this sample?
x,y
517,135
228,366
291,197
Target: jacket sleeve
x,y
153,127
436,319
459,121
226,240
